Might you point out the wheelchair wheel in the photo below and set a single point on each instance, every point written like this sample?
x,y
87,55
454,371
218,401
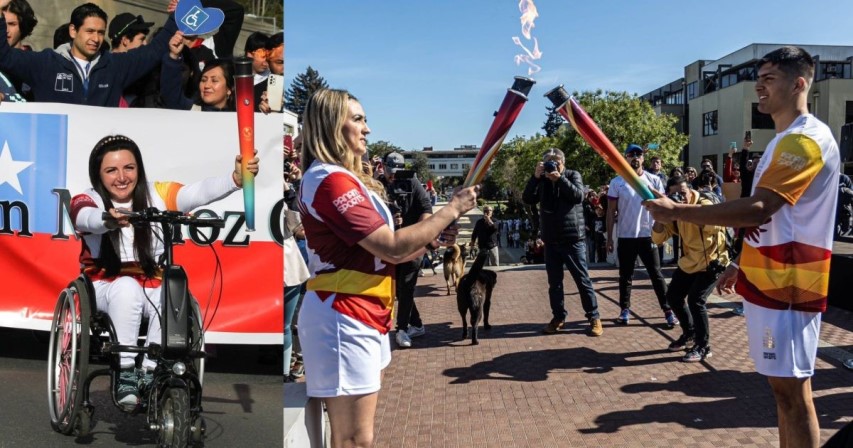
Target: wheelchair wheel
x,y
68,358
174,421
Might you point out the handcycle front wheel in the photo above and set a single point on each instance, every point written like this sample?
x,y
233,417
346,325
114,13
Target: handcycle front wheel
x,y
68,359
174,418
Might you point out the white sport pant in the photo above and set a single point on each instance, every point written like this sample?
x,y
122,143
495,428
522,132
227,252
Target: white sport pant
x,y
125,300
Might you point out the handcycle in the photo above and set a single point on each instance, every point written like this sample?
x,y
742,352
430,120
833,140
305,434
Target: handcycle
x,y
80,333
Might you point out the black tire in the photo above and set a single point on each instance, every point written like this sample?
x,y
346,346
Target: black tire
x,y
174,418
68,356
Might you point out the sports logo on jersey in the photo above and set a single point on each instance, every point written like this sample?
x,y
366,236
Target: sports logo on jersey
x,y
348,200
64,82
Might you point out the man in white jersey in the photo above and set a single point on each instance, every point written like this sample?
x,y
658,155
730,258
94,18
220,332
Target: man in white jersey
x,y
783,270
633,228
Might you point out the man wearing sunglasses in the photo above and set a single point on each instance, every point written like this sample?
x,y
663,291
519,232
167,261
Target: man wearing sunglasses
x,y
633,228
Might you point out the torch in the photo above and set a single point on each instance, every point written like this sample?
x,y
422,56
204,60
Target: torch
x,y
514,100
245,100
581,121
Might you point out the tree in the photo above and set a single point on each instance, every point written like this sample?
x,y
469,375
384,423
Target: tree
x,y
623,117
420,165
382,149
553,121
302,88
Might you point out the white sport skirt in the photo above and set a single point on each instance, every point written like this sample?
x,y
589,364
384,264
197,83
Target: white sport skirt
x,y
782,343
342,355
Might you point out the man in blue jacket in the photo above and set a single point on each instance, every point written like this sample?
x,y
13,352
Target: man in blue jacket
x,y
77,72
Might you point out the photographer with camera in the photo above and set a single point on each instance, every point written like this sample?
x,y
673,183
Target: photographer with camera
x,y
705,257
559,193
406,192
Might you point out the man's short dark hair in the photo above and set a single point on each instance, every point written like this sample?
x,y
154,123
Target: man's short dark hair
x,y
255,41
26,16
276,40
61,35
793,61
80,13
654,158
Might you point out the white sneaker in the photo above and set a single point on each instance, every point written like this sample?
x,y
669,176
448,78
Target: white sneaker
x,y
403,339
415,332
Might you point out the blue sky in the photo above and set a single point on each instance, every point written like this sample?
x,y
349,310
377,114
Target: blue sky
x,y
432,72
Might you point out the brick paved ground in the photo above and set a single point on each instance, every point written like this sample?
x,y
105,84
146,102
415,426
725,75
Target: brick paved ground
x,y
520,388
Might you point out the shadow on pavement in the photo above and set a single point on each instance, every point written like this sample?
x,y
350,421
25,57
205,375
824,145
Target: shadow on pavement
x,y
536,365
735,407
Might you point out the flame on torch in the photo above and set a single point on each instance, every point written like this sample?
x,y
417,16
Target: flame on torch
x,y
528,16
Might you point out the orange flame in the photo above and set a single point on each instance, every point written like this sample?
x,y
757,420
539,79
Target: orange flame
x,y
528,16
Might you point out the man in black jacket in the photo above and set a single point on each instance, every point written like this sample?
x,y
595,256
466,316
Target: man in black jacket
x,y
409,195
559,193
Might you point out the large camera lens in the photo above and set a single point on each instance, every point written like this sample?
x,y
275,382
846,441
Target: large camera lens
x,y
550,166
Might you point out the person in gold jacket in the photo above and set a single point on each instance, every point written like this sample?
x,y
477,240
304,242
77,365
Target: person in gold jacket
x,y
704,258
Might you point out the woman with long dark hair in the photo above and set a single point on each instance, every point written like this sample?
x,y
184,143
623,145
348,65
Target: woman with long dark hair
x,y
120,259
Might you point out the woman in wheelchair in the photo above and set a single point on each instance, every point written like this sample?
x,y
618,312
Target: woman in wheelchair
x,y
120,259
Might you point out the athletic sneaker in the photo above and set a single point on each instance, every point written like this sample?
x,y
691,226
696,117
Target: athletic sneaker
x,y
403,339
127,388
697,354
624,316
681,343
671,320
415,332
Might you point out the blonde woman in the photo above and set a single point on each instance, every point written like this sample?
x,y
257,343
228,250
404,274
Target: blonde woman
x,y
352,248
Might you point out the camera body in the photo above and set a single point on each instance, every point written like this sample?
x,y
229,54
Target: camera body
x,y
550,166
677,197
715,267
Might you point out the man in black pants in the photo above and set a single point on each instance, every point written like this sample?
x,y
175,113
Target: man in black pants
x,y
634,230
414,203
705,258
559,193
485,236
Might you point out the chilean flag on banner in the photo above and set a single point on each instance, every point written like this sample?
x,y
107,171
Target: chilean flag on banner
x,y
44,151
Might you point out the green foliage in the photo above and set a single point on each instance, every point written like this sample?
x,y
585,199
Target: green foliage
x,y
382,148
420,166
304,85
623,117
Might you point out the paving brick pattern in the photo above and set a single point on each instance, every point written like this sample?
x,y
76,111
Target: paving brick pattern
x,y
520,388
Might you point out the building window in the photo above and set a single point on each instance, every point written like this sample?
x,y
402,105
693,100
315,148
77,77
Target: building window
x,y
709,123
848,114
728,79
431,166
676,97
454,166
442,166
465,166
691,90
760,120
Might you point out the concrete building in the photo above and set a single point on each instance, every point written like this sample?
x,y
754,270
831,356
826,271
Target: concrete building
x,y
447,163
716,101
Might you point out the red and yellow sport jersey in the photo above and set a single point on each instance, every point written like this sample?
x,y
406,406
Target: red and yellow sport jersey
x,y
785,261
338,211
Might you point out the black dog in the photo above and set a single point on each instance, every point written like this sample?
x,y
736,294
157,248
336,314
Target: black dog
x,y
474,293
